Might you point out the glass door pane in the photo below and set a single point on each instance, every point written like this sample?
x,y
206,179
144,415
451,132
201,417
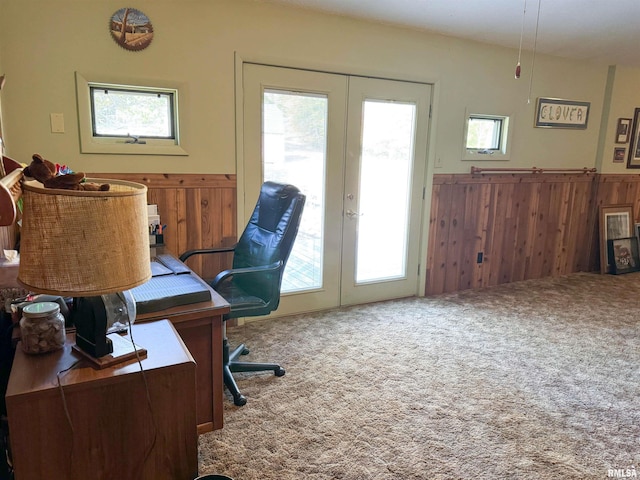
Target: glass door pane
x,y
293,131
294,151
386,166
384,180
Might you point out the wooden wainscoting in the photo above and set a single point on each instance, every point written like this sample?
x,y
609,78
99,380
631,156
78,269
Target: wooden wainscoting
x,y
198,210
525,226
619,189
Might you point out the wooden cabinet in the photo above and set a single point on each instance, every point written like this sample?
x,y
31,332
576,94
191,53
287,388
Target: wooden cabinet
x,y
120,423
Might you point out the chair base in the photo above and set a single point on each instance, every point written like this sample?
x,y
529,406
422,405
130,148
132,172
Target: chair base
x,y
231,364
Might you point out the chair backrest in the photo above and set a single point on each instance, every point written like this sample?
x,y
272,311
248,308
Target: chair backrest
x,y
268,238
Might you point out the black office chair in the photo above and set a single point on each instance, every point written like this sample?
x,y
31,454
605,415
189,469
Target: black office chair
x,y
252,285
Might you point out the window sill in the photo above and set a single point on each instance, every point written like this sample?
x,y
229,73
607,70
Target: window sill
x,y
487,157
130,149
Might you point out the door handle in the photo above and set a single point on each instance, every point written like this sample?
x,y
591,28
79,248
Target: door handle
x,y
351,214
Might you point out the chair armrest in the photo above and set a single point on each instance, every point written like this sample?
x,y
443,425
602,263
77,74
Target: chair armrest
x,y
202,251
274,267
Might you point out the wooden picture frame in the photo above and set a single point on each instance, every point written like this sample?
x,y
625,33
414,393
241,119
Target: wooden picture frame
x,y
633,159
616,221
623,129
558,113
623,255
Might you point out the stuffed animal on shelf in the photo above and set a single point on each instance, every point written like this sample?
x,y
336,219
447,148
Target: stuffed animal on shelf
x,y
52,176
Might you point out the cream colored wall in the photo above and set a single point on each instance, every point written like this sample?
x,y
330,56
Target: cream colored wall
x,y
42,44
625,99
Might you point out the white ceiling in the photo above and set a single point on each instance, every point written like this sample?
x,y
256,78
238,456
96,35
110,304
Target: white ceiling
x,y
606,31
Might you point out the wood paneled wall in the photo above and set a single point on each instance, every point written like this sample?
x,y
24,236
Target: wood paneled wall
x,y
619,189
526,226
198,210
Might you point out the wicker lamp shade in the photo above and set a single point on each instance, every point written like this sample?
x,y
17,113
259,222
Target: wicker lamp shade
x,y
84,243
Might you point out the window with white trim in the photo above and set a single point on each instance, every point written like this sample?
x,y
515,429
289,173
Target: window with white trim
x,y
128,119
486,137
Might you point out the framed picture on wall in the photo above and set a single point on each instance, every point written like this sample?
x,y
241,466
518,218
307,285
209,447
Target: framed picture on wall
x,y
616,221
622,132
633,160
618,154
558,113
623,255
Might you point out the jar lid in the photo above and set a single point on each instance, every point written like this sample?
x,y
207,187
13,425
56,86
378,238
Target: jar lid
x,y
41,309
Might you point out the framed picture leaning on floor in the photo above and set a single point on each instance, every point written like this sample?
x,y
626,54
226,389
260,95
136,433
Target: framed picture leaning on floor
x,y
623,255
616,221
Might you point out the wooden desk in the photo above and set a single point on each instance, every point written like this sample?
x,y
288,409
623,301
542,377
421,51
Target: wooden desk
x,y
201,328
112,431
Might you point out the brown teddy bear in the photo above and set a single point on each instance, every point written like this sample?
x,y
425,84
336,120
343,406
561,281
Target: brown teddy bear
x,y
46,173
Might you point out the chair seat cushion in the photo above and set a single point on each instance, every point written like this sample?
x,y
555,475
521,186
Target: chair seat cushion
x,y
241,301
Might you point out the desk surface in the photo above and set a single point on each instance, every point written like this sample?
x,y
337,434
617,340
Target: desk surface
x,y
190,311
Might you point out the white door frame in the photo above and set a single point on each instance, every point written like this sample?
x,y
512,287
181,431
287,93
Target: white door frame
x,y
241,58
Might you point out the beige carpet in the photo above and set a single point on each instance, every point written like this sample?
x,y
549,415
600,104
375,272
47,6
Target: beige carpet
x,y
532,380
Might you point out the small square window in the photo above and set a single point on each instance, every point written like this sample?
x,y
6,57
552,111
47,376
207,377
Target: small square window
x,y
484,133
486,137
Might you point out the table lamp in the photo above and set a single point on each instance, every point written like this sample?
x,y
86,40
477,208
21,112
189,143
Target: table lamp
x,y
85,245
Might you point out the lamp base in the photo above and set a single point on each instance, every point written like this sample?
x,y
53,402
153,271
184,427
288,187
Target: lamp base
x,y
123,350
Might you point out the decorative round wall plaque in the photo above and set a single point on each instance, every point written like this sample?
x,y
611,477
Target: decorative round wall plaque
x,y
131,29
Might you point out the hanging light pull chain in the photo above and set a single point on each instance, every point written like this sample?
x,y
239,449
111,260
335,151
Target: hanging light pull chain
x,y
524,12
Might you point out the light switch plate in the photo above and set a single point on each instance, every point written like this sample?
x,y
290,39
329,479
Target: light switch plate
x,y
57,123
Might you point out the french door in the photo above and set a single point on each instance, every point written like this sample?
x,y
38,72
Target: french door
x,y
356,147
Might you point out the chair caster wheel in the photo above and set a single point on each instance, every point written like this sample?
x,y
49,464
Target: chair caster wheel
x,y
279,372
245,351
240,400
